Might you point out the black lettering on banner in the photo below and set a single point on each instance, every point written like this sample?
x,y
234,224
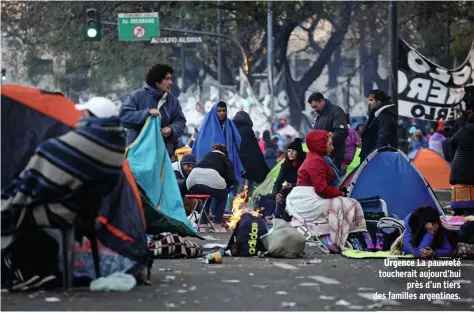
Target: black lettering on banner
x,y
417,111
442,114
428,92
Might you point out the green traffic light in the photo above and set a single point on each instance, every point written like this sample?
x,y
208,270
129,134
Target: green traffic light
x,y
91,33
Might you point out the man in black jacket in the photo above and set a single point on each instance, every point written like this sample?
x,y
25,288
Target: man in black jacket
x,y
382,127
330,118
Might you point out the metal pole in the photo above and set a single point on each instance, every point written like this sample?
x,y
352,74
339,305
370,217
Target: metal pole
x,y
393,52
219,55
188,31
270,58
183,61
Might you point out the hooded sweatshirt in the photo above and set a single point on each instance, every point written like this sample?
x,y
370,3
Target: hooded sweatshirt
x,y
315,171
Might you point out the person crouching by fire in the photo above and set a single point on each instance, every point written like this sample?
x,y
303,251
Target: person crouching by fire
x,y
182,169
213,175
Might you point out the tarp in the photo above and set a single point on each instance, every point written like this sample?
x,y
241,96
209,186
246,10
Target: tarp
x,y
153,171
31,116
433,167
390,174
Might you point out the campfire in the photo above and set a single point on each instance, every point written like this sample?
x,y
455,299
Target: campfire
x,y
239,207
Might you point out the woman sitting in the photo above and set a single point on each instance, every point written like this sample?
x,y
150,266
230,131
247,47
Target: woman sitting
x,y
424,235
288,175
213,175
315,200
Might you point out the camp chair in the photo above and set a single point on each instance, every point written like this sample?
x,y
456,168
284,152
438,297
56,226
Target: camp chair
x,y
67,243
374,208
200,198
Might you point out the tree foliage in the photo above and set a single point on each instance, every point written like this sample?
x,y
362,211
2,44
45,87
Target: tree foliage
x,y
441,30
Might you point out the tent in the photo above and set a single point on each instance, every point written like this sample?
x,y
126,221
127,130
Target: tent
x,y
31,116
265,188
391,175
433,167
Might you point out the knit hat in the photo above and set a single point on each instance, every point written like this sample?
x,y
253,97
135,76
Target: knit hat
x,y
188,159
296,145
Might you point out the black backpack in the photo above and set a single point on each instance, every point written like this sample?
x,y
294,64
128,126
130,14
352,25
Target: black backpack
x,y
245,241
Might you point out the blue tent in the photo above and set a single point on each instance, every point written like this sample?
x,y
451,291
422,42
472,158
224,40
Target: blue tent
x,y
390,174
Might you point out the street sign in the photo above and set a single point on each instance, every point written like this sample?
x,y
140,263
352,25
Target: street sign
x,y
176,40
138,26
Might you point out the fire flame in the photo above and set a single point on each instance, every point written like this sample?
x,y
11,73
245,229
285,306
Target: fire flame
x,y
239,208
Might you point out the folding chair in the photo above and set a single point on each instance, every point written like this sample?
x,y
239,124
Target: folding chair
x,y
374,209
200,198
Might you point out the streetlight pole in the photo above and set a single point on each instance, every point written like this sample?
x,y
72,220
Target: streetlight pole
x,y
183,61
393,52
270,58
219,56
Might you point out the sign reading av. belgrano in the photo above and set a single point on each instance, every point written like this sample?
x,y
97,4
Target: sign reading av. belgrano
x,y
176,40
427,91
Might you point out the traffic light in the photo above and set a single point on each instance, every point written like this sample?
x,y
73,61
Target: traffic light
x,y
92,26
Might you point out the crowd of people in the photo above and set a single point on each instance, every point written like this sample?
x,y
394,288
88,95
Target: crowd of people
x,y
226,155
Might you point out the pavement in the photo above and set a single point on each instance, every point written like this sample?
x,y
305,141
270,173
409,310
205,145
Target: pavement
x,y
317,282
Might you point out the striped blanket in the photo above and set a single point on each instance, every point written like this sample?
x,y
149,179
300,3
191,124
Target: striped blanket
x,y
337,216
67,176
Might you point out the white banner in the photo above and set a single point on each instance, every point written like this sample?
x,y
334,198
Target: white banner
x,y
427,91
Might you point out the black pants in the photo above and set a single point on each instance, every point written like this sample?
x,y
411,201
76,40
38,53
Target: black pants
x,y
219,200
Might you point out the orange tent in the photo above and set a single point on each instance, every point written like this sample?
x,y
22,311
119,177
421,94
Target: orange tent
x,y
434,168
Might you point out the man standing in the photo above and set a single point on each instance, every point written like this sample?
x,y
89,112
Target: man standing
x,y
154,100
382,128
330,118
217,128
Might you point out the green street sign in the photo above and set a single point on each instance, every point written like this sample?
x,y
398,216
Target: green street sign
x,y
138,26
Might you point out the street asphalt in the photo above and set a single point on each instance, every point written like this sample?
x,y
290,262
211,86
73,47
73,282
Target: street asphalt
x,y
317,282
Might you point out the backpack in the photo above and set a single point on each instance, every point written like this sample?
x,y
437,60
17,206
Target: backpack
x,y
246,238
389,229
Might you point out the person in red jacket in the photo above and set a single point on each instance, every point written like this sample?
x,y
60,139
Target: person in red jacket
x,y
316,200
315,171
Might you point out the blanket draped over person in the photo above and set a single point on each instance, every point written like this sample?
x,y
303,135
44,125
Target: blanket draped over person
x,y
153,171
66,176
211,133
